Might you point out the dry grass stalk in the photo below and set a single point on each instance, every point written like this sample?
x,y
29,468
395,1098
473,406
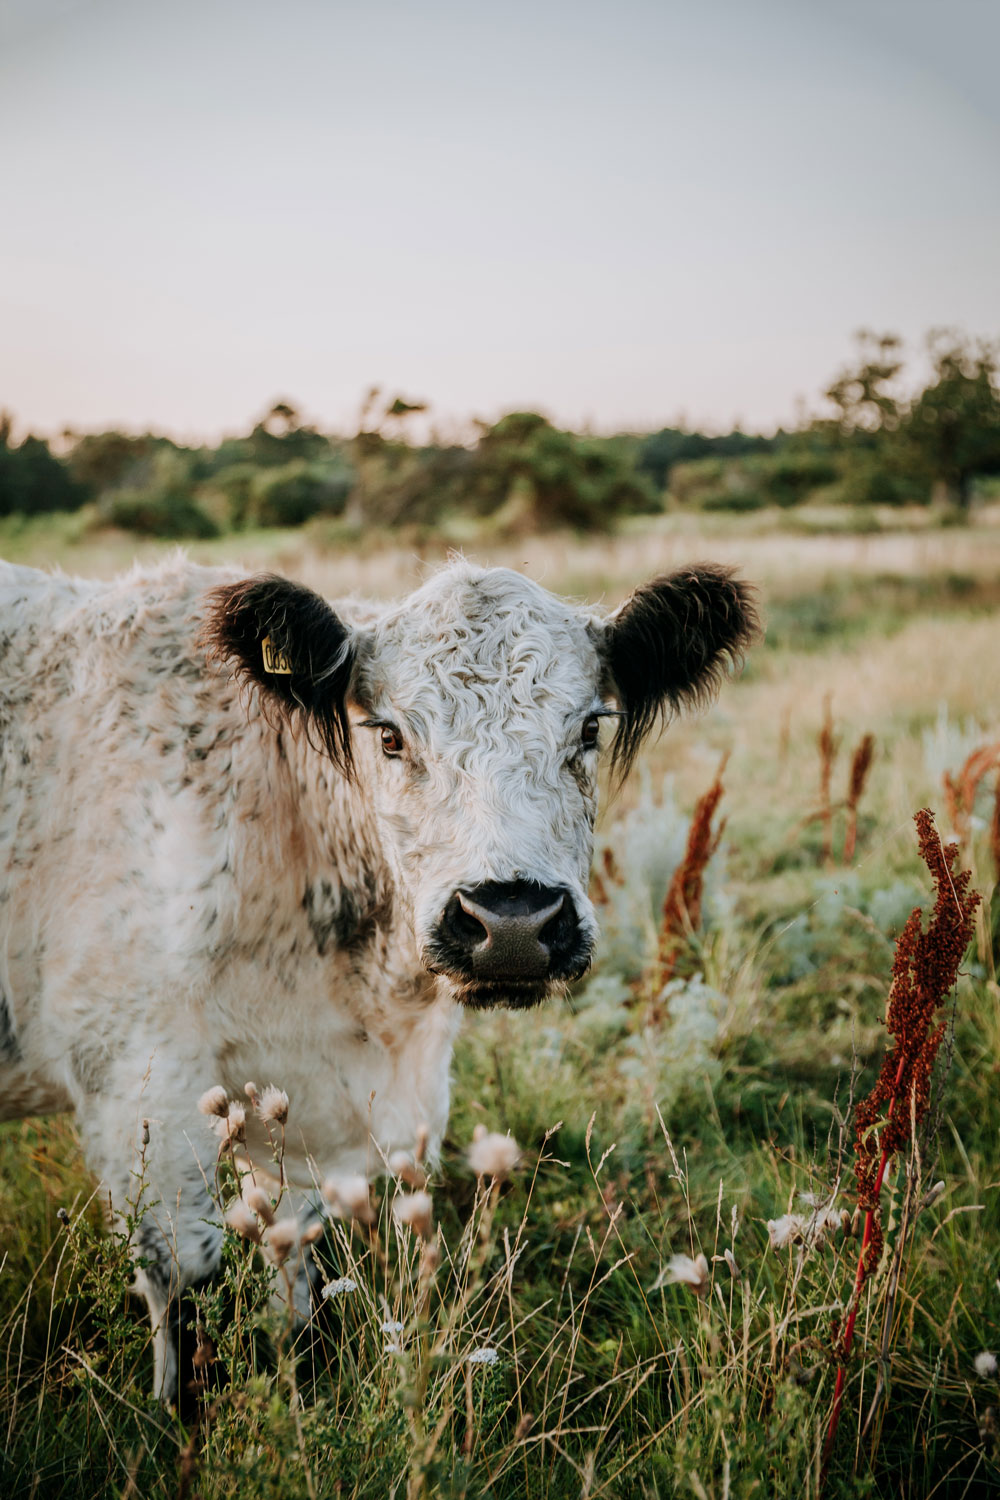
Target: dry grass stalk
x,y
861,764
960,791
682,904
995,832
924,972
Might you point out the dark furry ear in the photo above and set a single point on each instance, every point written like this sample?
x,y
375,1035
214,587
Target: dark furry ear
x,y
310,653
668,646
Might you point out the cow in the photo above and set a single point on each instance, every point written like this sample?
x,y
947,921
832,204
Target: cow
x,y
250,834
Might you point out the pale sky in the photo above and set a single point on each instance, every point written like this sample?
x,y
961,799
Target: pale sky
x,y
618,213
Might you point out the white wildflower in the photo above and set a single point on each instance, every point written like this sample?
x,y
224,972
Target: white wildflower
x,y
340,1287
492,1154
214,1101
350,1198
391,1325
483,1356
985,1363
416,1210
272,1106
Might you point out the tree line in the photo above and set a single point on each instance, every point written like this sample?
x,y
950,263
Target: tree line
x,y
880,442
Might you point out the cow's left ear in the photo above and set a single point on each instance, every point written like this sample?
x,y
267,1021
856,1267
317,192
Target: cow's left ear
x,y
293,647
668,647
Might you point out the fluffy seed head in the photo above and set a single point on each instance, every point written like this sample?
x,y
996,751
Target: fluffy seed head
x,y
350,1198
214,1101
985,1363
280,1240
272,1106
402,1165
241,1218
683,1271
417,1211
492,1154
234,1126
260,1202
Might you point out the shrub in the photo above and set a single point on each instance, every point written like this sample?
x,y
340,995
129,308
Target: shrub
x,y
295,492
156,514
164,508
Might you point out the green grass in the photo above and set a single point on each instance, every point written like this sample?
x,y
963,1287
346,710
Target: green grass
x,y
679,1119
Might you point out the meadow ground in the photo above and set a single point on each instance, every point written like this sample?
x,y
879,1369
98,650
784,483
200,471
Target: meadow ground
x,y
684,1096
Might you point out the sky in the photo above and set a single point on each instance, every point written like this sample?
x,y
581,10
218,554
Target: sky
x,y
625,215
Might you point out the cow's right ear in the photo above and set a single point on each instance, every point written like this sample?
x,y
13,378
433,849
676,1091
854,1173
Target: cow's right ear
x,y
287,641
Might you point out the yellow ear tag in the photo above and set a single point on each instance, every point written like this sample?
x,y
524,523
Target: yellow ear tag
x,y
276,662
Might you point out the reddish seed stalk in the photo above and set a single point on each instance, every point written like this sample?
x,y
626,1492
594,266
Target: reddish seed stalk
x,y
861,763
827,752
924,972
859,1280
682,904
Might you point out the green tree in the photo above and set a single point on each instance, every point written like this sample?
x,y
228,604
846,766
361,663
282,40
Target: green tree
x,y
864,396
531,475
950,433
281,436
33,481
105,461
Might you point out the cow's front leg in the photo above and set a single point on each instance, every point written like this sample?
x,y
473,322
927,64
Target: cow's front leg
x,y
157,1159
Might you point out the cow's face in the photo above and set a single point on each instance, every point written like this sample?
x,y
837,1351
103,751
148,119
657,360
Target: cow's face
x,y
471,715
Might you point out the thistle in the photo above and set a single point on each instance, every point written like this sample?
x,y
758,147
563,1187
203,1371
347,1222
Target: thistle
x,y
214,1101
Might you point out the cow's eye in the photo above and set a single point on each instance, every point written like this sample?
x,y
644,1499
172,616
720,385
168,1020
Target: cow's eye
x,y
591,730
392,740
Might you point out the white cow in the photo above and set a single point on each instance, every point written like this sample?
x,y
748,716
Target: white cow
x,y
246,834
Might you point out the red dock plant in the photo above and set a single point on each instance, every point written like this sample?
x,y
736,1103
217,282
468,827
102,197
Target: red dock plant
x,y
924,972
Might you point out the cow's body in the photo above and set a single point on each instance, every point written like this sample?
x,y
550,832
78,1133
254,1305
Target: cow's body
x,y
193,892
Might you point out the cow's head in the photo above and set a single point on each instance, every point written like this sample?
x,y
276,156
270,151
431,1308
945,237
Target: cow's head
x,y
471,716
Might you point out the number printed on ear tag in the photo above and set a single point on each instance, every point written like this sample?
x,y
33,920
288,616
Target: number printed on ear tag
x,y
276,662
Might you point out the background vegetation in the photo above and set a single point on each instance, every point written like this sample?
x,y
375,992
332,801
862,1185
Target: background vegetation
x,y
692,1098
889,438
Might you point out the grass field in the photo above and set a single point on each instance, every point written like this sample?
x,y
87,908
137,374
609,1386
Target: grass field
x,y
656,1120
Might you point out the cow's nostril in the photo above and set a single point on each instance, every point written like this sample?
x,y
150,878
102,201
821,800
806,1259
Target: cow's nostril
x,y
465,924
558,928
